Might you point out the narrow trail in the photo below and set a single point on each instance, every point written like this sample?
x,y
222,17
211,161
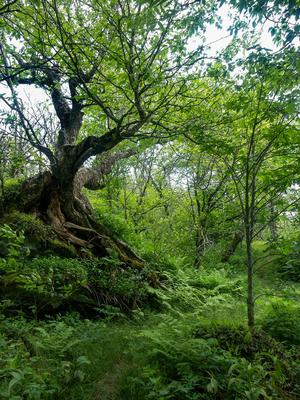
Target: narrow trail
x,y
112,349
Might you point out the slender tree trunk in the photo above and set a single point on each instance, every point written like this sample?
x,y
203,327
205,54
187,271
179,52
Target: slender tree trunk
x,y
250,297
1,191
198,248
249,220
125,207
230,250
200,243
272,223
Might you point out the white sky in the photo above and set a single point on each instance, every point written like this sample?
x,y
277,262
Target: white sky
x,y
220,37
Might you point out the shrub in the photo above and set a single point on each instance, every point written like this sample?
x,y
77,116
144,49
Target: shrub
x,y
39,237
283,323
287,251
116,285
30,225
38,360
290,261
52,284
42,285
239,341
182,366
11,244
11,192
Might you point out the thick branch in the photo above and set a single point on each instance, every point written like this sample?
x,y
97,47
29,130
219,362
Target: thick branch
x,y
94,178
48,77
93,145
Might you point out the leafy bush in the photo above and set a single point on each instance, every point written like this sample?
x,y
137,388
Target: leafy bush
x,y
283,323
30,225
11,191
114,222
289,260
239,341
11,244
39,237
183,366
115,284
45,284
158,262
52,275
42,285
38,360
52,284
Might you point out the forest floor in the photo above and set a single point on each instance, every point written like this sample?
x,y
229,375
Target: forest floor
x,y
192,343
120,350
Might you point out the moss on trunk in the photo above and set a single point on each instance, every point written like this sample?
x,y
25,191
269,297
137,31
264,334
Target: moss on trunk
x,y
64,214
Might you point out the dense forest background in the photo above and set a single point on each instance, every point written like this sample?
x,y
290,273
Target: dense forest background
x,y
149,199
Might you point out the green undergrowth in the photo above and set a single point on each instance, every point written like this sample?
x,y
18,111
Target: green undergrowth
x,y
187,358
39,238
196,346
11,192
38,358
93,329
50,285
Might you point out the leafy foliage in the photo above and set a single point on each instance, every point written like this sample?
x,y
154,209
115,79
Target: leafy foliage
x,y
283,323
11,245
182,366
52,284
38,360
289,257
190,155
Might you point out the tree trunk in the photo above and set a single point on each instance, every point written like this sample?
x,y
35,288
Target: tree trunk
x,y
250,295
60,204
230,250
200,247
273,223
202,241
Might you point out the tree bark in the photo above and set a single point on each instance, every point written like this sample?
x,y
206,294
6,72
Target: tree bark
x,y
230,250
59,202
273,223
56,196
250,296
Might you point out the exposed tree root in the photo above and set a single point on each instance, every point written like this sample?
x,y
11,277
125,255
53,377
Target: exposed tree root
x,y
72,218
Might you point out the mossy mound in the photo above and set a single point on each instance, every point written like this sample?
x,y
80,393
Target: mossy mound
x,y
10,196
240,341
40,238
54,285
30,225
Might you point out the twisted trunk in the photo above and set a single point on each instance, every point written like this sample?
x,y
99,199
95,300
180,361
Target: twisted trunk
x,y
56,198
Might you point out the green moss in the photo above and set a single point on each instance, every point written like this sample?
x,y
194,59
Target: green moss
x,y
32,226
40,238
59,248
12,184
11,193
